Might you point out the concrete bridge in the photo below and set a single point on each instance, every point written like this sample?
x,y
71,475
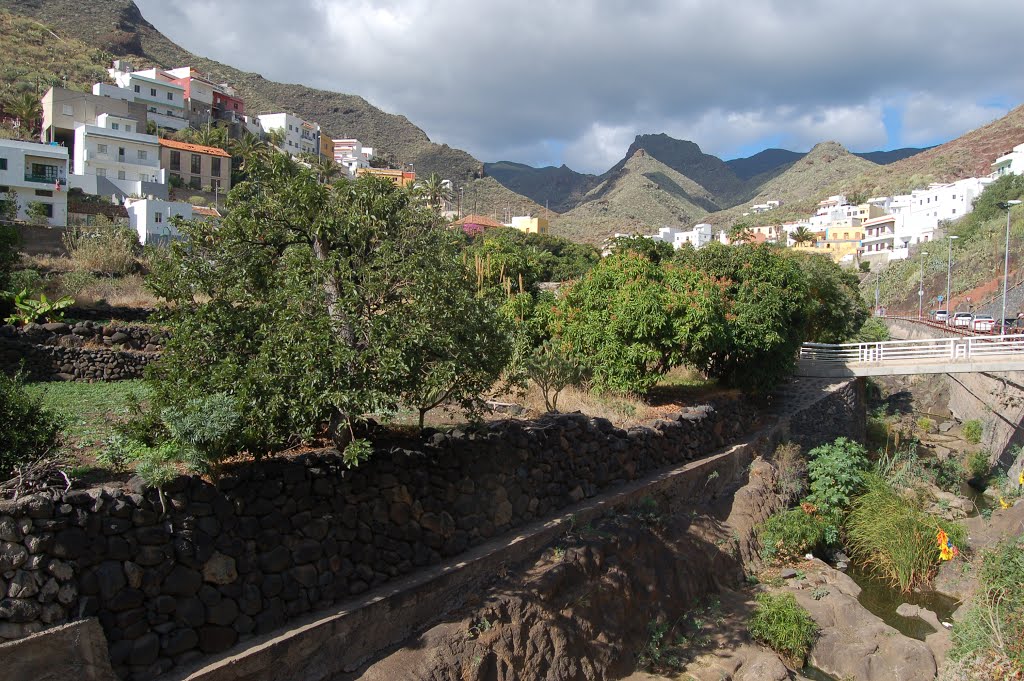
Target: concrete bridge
x,y
959,354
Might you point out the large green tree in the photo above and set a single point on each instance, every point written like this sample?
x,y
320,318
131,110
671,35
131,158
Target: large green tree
x,y
632,319
314,304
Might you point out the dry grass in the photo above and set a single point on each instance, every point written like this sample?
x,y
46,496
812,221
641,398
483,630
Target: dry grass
x,y
62,278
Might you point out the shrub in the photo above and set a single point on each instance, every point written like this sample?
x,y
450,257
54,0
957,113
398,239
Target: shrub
x,y
972,431
791,534
837,475
949,473
925,424
978,465
103,247
26,280
780,623
994,624
27,429
552,370
892,538
205,430
792,480
37,213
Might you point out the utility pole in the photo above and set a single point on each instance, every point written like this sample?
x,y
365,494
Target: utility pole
x,y
949,272
1006,263
920,290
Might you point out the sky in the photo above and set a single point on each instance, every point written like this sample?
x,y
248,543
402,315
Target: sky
x,y
546,83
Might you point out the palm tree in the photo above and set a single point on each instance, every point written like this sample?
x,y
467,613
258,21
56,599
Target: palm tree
x,y
802,235
437,192
27,108
275,137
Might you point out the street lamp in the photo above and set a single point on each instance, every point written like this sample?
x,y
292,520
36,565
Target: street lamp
x,y
920,289
949,271
1006,261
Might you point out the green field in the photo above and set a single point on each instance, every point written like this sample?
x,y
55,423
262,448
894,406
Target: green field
x,y
89,410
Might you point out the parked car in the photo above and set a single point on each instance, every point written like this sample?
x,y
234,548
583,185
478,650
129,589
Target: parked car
x,y
962,319
983,323
941,315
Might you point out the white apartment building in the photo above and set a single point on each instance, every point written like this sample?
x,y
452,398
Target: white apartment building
x,y
164,100
1010,163
300,137
113,157
351,153
698,237
35,173
765,207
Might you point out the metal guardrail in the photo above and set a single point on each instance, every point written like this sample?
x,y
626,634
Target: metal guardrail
x,y
967,349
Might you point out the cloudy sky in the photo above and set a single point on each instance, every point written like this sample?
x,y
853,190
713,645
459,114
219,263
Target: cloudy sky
x,y
573,81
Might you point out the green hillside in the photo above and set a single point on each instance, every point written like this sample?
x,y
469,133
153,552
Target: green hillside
x,y
643,194
560,189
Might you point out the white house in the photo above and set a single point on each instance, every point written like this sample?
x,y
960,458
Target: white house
x,y
153,219
35,173
112,157
1012,162
164,100
300,137
351,153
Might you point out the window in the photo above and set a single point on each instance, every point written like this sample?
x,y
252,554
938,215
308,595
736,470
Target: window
x,y
68,110
138,88
175,160
101,172
115,126
195,182
101,148
127,128
152,92
120,153
4,189
44,172
152,109
3,164
215,184
121,175
170,96
48,210
176,177
215,167
954,211
143,154
44,192
197,162
170,113
158,218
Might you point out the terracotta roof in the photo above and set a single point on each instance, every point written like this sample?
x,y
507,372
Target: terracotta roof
x,y
481,220
197,148
203,210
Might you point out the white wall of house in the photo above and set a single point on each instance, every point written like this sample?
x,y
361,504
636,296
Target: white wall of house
x,y
152,219
35,173
1010,163
112,148
351,154
300,137
164,101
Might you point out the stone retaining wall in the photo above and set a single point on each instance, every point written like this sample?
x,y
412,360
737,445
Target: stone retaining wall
x,y
277,539
56,362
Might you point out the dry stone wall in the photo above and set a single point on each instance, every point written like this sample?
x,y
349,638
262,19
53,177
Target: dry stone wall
x,y
208,565
84,351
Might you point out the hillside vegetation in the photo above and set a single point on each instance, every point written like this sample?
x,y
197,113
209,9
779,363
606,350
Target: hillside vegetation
x,y
34,58
560,189
642,195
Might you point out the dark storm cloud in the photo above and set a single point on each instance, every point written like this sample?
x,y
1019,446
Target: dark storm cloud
x,y
575,81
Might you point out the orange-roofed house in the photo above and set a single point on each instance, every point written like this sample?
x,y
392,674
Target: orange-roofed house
x,y
475,224
195,165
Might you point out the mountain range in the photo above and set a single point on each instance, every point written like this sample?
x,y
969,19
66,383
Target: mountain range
x,y
660,180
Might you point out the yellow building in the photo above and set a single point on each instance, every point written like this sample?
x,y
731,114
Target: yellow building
x,y
847,229
326,146
837,250
399,177
530,225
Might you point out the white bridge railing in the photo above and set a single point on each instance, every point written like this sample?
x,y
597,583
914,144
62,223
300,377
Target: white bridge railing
x,y
943,349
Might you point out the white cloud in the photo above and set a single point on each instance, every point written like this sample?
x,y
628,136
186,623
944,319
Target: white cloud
x,y
529,75
929,118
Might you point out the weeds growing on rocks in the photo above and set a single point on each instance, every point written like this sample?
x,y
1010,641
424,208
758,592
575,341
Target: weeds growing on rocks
x,y
780,623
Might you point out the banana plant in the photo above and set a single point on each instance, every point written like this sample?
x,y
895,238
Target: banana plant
x,y
28,310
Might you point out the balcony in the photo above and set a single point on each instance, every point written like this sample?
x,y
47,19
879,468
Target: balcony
x,y
45,179
127,159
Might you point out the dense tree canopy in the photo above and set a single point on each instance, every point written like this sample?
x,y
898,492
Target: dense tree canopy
x,y
313,304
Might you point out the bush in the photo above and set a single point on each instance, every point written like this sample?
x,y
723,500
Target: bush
x,y
892,538
837,474
780,623
207,430
791,534
994,624
37,213
103,247
949,473
972,431
27,429
552,370
978,465
925,424
27,280
792,466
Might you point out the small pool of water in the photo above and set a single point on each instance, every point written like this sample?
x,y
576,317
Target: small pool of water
x,y
815,674
977,496
882,600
